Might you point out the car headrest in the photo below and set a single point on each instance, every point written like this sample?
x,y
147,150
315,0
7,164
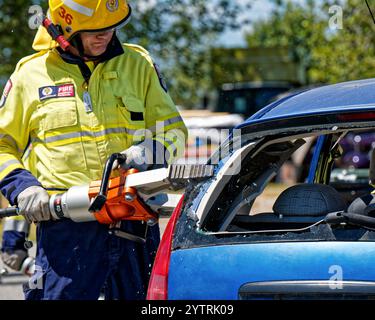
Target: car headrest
x,y
309,200
372,167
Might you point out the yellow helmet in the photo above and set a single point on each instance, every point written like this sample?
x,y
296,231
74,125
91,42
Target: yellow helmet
x,y
88,15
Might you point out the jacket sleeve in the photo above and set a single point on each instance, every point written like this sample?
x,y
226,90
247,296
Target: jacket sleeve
x,y
14,138
163,120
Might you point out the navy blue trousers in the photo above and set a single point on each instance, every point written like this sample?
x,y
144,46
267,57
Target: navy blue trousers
x,y
78,261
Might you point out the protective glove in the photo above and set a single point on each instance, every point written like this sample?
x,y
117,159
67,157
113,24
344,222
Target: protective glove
x,y
138,157
14,259
33,204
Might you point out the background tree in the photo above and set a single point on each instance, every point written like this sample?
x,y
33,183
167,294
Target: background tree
x,y
349,53
295,26
326,55
178,34
15,35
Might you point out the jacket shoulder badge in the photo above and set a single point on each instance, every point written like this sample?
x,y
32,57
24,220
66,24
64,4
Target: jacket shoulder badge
x,y
161,78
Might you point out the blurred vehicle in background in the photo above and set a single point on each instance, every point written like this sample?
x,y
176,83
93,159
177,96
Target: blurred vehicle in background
x,y
207,130
246,98
234,103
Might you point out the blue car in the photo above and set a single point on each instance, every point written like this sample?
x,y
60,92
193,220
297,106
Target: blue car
x,y
312,240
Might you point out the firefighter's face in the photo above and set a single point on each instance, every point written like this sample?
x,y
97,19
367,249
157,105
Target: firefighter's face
x,y
95,43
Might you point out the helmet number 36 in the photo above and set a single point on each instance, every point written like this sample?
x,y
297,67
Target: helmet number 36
x,y
66,16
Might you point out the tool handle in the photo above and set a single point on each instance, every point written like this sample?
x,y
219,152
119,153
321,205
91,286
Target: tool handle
x,y
101,198
8,212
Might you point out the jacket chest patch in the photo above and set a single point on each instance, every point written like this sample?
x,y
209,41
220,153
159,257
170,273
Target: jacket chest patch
x,y
62,91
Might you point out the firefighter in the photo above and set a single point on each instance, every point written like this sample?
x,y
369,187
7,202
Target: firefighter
x,y
67,112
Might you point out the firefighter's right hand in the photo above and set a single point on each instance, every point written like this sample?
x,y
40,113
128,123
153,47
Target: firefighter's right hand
x,y
14,259
138,157
33,204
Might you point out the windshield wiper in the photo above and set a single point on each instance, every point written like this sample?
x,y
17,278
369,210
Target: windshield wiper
x,y
350,218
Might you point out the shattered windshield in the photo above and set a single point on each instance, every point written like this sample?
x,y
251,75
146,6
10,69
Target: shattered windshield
x,y
269,184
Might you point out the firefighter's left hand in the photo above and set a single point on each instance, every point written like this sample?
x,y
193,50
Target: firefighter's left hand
x,y
33,204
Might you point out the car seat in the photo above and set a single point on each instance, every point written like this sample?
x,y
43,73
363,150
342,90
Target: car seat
x,y
307,199
302,203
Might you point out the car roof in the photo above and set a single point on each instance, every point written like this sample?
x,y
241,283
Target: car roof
x,y
346,97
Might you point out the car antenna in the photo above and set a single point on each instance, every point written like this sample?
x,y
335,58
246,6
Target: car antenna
x,y
369,9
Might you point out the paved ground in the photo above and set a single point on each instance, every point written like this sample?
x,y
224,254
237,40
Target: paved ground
x,y
11,286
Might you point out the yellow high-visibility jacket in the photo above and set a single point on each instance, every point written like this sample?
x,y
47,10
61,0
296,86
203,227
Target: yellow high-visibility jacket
x,y
43,105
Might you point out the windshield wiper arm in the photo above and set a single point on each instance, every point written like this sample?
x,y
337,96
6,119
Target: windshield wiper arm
x,y
350,218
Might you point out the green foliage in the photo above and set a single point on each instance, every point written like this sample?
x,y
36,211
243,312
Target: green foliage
x,y
16,36
253,64
327,55
232,65
349,53
298,27
178,34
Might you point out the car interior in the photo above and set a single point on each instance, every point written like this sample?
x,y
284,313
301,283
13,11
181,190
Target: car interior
x,y
299,205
